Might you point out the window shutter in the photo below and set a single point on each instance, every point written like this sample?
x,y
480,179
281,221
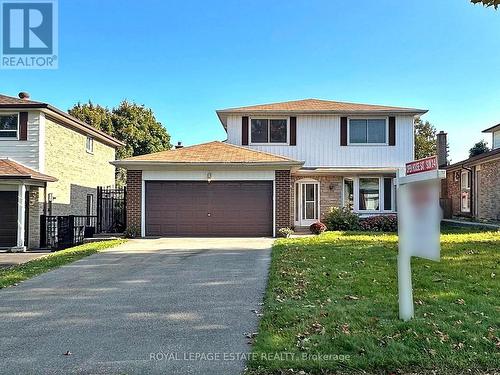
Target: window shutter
x,y
343,131
244,130
23,126
293,131
392,131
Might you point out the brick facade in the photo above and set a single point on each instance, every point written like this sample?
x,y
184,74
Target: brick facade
x,y
134,197
488,195
283,189
330,193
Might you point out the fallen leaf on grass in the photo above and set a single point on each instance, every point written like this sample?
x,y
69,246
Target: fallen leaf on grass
x,y
351,298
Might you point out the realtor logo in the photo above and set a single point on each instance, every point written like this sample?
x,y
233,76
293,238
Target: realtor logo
x,y
29,34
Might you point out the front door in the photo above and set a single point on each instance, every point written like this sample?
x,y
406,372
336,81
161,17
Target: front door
x,y
307,201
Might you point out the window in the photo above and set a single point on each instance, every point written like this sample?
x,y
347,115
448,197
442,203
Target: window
x,y
268,130
89,145
349,193
465,191
367,131
9,124
465,180
368,194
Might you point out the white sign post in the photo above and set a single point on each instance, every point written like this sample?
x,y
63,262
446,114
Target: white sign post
x,y
419,218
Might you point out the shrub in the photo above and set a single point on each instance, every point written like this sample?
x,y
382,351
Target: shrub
x,y
317,228
380,223
285,232
341,218
132,231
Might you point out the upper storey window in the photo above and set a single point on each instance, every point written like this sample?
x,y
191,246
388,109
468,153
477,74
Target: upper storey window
x,y
368,131
9,125
265,130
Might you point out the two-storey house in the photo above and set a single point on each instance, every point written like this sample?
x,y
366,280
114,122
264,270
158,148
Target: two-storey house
x,y
50,163
283,165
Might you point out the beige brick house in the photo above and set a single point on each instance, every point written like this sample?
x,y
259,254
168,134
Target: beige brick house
x,y
52,164
471,186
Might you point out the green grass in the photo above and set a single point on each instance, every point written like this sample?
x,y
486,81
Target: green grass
x,y
16,274
336,294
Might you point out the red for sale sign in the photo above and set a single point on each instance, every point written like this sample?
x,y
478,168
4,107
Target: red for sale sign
x,y
422,165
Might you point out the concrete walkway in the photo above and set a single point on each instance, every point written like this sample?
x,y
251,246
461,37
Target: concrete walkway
x,y
162,306
8,259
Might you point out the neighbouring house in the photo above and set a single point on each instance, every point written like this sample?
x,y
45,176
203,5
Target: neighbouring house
x,y
50,163
471,188
283,165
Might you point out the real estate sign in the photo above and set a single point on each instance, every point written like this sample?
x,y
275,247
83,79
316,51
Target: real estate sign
x,y
419,218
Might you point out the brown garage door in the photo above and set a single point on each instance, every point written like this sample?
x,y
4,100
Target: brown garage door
x,y
8,215
198,208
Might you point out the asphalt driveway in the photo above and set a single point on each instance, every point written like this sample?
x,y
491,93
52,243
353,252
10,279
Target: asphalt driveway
x,y
164,306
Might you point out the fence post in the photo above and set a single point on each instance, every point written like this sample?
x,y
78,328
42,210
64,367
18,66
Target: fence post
x,y
124,207
71,225
43,230
98,209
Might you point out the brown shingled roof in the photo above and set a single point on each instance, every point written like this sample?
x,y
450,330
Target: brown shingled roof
x,y
316,106
9,169
210,153
4,99
319,105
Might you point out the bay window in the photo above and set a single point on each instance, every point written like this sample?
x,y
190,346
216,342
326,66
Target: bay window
x,y
369,194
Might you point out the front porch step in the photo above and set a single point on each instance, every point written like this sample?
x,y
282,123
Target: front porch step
x,y
302,230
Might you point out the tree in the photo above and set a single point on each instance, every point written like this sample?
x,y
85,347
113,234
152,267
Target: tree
x,y
425,139
487,3
479,148
131,123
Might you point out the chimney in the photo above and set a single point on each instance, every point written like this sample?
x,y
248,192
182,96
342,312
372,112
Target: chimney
x,y
24,95
178,145
442,148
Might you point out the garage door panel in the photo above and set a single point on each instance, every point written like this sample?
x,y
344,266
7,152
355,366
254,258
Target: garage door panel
x,y
8,215
236,208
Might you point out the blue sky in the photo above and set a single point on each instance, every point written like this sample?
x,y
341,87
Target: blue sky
x,y
185,59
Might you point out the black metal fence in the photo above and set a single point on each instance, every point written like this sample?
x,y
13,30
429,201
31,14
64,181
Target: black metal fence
x,y
111,209
61,232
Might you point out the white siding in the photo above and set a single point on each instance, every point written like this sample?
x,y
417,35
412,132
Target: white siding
x,y
318,144
24,152
217,175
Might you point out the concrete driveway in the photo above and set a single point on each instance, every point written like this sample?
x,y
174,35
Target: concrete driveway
x,y
156,306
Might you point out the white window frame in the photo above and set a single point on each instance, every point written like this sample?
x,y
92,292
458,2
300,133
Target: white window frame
x,y
90,149
462,179
17,130
381,193
353,179
385,118
269,143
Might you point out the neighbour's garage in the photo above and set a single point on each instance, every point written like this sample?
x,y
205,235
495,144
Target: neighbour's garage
x,y
8,215
201,208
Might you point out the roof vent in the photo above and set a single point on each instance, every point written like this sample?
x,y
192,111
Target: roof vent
x,y
24,95
178,145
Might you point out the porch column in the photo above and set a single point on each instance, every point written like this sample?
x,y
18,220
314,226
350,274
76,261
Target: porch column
x,y
21,217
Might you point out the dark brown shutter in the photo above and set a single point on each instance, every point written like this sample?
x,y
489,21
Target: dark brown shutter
x,y
23,126
343,131
244,130
293,131
392,131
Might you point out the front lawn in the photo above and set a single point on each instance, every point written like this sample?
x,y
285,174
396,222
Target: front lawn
x,y
15,274
335,295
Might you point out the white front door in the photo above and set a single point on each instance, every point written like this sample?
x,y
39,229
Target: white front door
x,y
307,202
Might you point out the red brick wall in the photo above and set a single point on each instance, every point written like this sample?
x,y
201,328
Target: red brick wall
x,y
134,192
450,189
488,195
283,184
